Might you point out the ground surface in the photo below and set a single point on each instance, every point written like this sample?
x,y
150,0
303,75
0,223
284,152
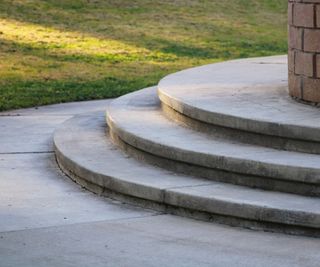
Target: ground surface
x,y
46,220
62,50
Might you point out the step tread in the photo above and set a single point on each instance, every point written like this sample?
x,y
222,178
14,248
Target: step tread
x,y
138,120
246,94
83,140
82,147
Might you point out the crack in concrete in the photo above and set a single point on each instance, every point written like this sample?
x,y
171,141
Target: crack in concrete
x,y
27,152
188,186
39,115
155,214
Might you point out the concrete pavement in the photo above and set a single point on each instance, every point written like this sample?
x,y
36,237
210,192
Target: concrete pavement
x,y
47,220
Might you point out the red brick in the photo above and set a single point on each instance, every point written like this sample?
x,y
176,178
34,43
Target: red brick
x,y
290,11
295,37
311,89
303,15
311,40
294,85
291,60
318,66
318,15
307,1
303,63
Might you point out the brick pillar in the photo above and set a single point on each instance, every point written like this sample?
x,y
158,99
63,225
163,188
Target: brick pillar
x,y
304,49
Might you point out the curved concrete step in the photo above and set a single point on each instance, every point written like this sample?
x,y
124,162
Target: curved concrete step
x,y
138,121
248,95
85,153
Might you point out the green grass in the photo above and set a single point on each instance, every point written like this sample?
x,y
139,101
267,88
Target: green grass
x,y
64,50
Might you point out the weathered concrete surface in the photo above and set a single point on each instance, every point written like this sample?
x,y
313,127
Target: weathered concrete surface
x,y
72,108
30,130
35,198
35,194
154,241
249,94
22,134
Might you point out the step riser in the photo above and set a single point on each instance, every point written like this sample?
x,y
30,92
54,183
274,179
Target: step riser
x,y
216,174
242,136
182,205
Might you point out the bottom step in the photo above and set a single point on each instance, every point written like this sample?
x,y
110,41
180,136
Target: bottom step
x,y
88,156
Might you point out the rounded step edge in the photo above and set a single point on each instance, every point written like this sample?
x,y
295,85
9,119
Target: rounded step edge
x,y
218,175
243,136
88,157
248,94
137,120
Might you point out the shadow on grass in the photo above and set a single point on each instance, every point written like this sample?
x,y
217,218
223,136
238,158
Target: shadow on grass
x,y
59,54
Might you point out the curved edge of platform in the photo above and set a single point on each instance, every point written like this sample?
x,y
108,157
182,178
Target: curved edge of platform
x,y
169,86
243,136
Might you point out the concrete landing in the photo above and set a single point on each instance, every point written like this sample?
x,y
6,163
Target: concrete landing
x,y
46,220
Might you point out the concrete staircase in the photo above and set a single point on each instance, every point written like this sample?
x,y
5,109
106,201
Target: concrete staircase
x,y
221,142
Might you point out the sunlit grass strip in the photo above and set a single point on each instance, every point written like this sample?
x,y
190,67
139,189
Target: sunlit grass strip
x,y
75,44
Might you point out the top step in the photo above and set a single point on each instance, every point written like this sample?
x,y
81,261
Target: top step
x,y
248,95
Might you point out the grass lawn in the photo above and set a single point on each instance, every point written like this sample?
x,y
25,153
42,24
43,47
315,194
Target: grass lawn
x,y
64,50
